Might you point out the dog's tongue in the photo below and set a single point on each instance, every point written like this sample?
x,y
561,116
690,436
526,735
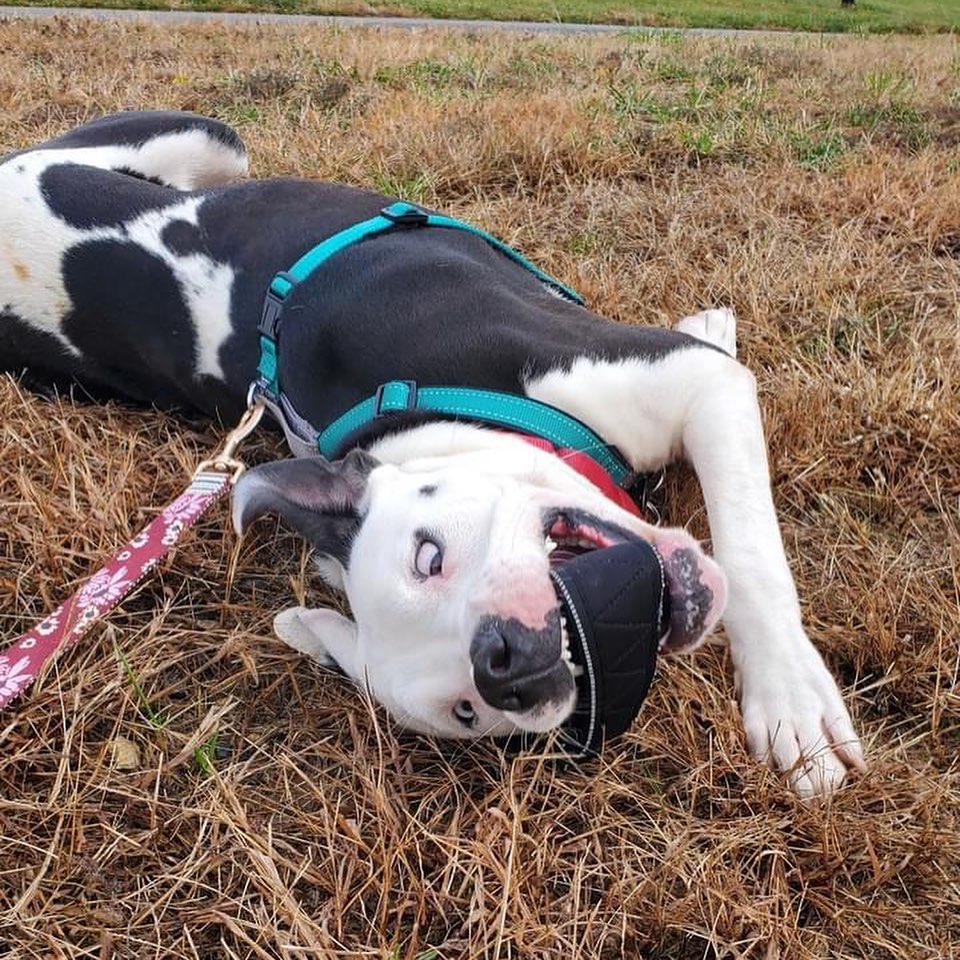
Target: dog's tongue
x,y
617,608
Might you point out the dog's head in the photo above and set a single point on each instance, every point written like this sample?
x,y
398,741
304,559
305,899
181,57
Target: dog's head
x,y
446,563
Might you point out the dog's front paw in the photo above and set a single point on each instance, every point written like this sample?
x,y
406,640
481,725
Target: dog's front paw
x,y
718,327
796,721
292,626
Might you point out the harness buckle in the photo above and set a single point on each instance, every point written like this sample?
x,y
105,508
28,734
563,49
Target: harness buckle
x,y
270,315
273,303
394,403
405,215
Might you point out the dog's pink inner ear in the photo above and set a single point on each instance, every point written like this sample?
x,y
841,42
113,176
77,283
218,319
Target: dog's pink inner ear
x,y
318,498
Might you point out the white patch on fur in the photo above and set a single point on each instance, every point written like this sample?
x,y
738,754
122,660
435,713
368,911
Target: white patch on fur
x,y
204,283
414,634
637,405
32,242
293,627
185,159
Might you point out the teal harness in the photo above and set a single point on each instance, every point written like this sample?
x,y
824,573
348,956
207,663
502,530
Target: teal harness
x,y
486,406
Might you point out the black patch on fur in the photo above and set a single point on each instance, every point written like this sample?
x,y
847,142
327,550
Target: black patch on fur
x,y
87,197
183,238
429,490
688,623
147,344
516,667
129,172
24,348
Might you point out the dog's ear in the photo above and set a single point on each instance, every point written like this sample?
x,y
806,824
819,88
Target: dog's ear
x,y
320,499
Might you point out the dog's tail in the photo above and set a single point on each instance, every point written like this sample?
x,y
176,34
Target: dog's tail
x,y
176,149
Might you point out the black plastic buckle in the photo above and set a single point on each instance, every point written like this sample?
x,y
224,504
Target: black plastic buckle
x,y
411,217
273,306
411,403
270,316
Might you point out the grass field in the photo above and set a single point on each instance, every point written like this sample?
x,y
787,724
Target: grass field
x,y
180,785
865,16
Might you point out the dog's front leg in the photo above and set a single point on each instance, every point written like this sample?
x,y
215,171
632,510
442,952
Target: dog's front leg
x,y
324,635
695,400
793,712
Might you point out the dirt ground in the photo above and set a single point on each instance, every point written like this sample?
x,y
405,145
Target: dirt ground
x,y
181,785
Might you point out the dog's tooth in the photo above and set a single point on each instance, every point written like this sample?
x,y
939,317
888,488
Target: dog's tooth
x,y
575,669
549,545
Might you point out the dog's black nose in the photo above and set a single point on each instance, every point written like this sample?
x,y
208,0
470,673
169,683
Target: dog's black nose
x,y
516,668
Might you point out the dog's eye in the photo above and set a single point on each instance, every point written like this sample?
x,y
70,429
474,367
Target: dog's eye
x,y
465,713
429,559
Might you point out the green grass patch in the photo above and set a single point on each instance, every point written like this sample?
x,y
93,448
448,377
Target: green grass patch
x,y
413,189
153,716
819,148
866,16
206,755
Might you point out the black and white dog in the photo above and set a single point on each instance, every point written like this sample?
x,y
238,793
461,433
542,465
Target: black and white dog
x,y
134,259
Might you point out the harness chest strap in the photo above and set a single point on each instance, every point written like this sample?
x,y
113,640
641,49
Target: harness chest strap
x,y
506,410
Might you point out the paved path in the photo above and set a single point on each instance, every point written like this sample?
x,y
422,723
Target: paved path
x,y
407,23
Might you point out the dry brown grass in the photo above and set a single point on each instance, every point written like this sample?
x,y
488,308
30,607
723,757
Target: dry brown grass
x,y
267,812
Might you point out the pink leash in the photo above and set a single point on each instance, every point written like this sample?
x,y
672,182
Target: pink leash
x,y
22,661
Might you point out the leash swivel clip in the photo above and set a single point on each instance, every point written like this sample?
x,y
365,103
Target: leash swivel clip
x,y
225,459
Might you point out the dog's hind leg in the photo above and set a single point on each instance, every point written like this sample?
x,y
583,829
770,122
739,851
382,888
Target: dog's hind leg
x,y
180,150
106,278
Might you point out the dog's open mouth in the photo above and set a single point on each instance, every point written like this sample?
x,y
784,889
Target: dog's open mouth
x,y
695,588
570,535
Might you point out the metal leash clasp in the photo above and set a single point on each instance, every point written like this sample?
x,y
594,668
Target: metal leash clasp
x,y
225,460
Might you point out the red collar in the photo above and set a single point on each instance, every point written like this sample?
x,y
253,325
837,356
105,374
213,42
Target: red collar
x,y
589,469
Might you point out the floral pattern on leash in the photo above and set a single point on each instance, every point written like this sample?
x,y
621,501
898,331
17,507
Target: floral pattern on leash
x,y
21,662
